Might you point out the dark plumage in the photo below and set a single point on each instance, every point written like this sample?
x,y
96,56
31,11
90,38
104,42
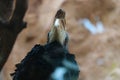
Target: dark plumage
x,y
43,60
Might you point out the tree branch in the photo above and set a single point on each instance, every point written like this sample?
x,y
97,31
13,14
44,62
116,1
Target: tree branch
x,y
6,7
9,30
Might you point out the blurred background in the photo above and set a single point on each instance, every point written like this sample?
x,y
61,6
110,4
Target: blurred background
x,y
93,27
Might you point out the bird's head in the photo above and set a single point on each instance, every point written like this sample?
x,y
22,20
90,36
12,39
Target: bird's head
x,y
58,32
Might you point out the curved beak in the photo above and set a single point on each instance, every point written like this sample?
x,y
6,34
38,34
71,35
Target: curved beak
x,y
57,32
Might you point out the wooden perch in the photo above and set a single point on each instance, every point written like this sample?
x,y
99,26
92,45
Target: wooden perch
x,y
9,29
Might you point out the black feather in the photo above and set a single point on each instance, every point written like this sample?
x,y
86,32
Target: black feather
x,y
41,62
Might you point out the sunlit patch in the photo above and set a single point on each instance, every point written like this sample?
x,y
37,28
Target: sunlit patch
x,y
114,74
93,29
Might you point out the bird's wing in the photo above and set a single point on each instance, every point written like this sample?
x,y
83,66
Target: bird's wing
x,y
33,66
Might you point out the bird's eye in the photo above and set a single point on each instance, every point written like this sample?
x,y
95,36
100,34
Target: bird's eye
x,y
66,40
48,37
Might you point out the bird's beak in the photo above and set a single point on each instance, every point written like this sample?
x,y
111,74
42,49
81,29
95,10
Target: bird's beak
x,y
58,32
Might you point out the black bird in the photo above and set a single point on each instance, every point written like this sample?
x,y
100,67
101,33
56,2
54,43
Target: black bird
x,y
51,61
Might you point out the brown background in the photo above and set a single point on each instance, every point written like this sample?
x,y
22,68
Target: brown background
x,y
98,55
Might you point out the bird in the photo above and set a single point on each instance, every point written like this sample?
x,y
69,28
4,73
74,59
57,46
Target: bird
x,y
51,61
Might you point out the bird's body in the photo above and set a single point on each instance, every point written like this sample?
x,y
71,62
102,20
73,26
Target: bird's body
x,y
42,62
